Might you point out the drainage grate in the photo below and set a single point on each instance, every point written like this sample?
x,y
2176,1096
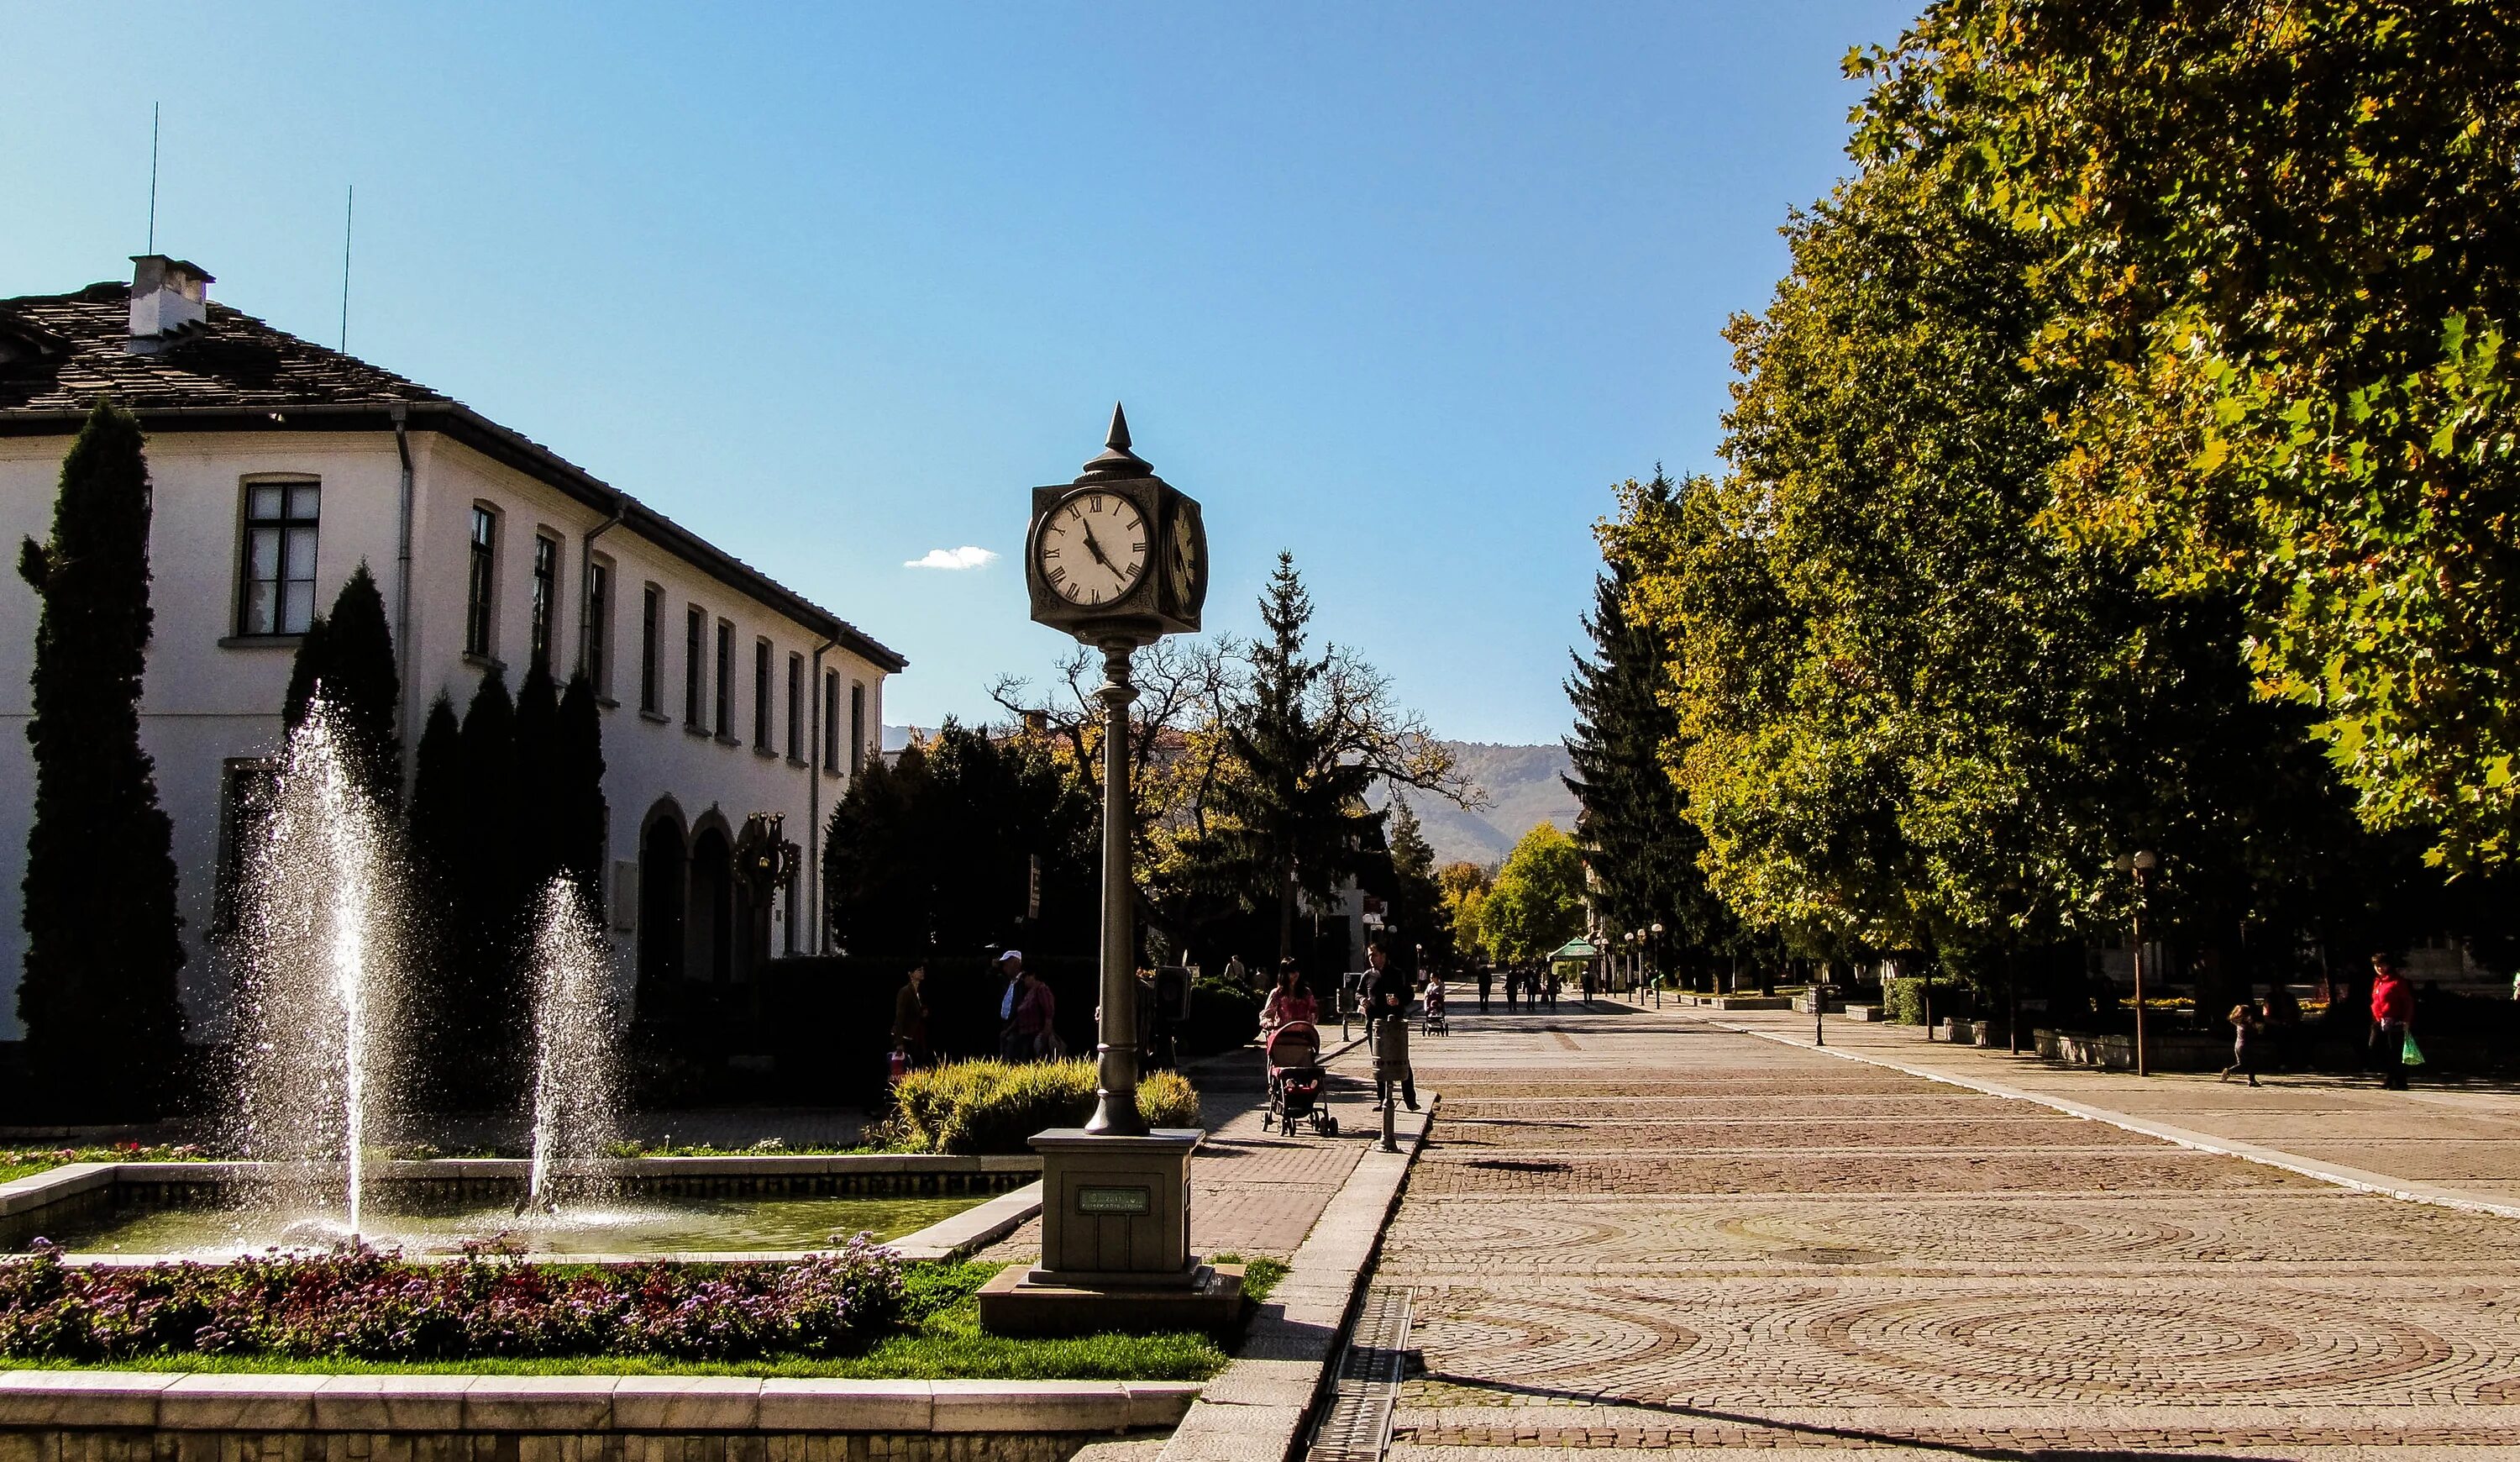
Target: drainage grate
x,y
1357,1427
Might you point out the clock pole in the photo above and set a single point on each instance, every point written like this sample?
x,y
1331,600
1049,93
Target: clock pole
x,y
1116,1095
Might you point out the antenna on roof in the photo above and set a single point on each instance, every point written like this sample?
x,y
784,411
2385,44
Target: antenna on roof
x,y
152,178
347,204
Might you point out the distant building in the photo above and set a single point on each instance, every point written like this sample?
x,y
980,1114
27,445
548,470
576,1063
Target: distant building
x,y
277,466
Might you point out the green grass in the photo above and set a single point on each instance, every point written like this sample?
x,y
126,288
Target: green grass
x,y
26,1161
942,1340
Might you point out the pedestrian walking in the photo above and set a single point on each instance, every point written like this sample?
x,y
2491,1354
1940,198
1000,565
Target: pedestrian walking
x,y
1387,998
1487,977
2393,1022
2244,1032
1010,964
1236,974
1288,1003
909,1020
1037,1022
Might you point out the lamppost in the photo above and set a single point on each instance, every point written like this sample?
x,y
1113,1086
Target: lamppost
x,y
1654,961
2141,866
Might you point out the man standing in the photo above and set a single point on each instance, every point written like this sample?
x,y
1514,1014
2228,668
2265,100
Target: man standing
x,y
1387,1006
1487,977
1011,966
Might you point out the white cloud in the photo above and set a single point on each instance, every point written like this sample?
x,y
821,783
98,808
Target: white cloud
x,y
965,557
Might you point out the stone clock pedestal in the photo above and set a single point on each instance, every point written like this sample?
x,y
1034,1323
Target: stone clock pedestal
x,y
1114,1243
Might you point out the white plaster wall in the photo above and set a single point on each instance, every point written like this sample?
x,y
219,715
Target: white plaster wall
x,y
205,702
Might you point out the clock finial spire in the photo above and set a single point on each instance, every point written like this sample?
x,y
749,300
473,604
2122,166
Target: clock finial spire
x,y
1117,461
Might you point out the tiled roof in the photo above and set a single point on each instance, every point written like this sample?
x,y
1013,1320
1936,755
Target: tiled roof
x,y
69,349
58,353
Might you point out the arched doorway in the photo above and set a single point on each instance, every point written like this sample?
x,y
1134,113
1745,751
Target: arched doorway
x,y
709,925
661,880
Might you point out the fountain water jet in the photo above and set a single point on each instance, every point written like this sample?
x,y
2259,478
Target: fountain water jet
x,y
312,933
576,1079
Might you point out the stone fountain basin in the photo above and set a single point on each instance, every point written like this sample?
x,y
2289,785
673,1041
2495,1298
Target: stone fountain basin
x,y
1003,1190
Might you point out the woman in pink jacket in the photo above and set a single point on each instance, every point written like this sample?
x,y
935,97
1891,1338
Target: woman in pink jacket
x,y
2393,1020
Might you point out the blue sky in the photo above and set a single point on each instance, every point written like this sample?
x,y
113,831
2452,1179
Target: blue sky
x,y
1403,288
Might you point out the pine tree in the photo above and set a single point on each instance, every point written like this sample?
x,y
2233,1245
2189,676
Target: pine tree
x,y
350,653
1417,907
1293,822
1634,831
103,1018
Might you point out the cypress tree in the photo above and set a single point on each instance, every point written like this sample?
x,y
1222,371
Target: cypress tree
x,y
435,820
350,654
539,809
578,784
103,1018
486,1005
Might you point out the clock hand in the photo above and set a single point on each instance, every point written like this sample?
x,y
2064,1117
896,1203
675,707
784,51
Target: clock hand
x,y
1094,548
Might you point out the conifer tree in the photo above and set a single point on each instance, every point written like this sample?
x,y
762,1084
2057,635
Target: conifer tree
x,y
435,820
350,653
1417,906
538,809
485,993
1634,831
1293,822
104,1019
578,787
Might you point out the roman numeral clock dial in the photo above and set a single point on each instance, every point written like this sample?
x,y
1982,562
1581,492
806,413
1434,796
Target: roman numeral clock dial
x,y
1093,549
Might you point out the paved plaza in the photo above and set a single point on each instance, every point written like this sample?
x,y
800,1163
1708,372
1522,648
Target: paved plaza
x,y
1634,1229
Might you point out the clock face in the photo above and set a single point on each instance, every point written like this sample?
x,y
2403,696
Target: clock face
x,y
1185,554
1092,548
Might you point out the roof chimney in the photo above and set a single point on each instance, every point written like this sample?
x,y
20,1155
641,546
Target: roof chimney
x,y
168,298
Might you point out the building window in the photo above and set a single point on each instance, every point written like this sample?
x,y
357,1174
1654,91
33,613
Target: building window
x,y
481,587
857,727
695,665
278,595
545,598
596,659
652,609
761,695
725,698
795,708
830,720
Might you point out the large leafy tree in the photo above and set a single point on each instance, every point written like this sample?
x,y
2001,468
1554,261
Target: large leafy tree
x,y
2280,244
1537,902
104,1019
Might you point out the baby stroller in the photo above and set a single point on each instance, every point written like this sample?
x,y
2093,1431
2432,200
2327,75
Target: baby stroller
x,y
1296,1080
1430,1021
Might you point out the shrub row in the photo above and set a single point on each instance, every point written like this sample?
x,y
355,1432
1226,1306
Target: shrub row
x,y
358,1302
993,1106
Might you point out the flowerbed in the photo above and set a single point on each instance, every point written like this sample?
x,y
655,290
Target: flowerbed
x,y
489,1303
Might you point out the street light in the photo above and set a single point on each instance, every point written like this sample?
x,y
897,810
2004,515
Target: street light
x,y
1654,961
2140,865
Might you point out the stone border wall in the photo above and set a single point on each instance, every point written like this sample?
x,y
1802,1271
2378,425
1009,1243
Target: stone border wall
x,y
47,1415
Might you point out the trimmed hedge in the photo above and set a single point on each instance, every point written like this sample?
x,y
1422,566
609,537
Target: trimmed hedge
x,y
969,1107
1221,1018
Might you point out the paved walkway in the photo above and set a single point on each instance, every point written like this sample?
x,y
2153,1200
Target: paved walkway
x,y
1636,1231
1254,1192
2456,1140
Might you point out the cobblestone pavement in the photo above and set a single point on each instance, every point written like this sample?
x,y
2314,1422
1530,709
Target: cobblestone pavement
x,y
1254,1192
1637,1232
2458,1136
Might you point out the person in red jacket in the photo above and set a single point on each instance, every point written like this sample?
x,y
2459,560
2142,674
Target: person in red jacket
x,y
2393,1017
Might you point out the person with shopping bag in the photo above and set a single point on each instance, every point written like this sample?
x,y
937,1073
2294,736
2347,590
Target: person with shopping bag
x,y
2393,1024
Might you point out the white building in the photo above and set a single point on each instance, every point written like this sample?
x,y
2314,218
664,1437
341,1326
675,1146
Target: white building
x,y
277,466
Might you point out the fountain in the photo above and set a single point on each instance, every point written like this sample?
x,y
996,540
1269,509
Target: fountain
x,y
576,1086
320,951
314,926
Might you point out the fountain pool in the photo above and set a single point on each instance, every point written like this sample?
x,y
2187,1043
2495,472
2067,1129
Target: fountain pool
x,y
657,1224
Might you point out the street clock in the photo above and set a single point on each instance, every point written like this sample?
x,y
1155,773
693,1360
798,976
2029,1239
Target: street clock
x,y
1120,555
